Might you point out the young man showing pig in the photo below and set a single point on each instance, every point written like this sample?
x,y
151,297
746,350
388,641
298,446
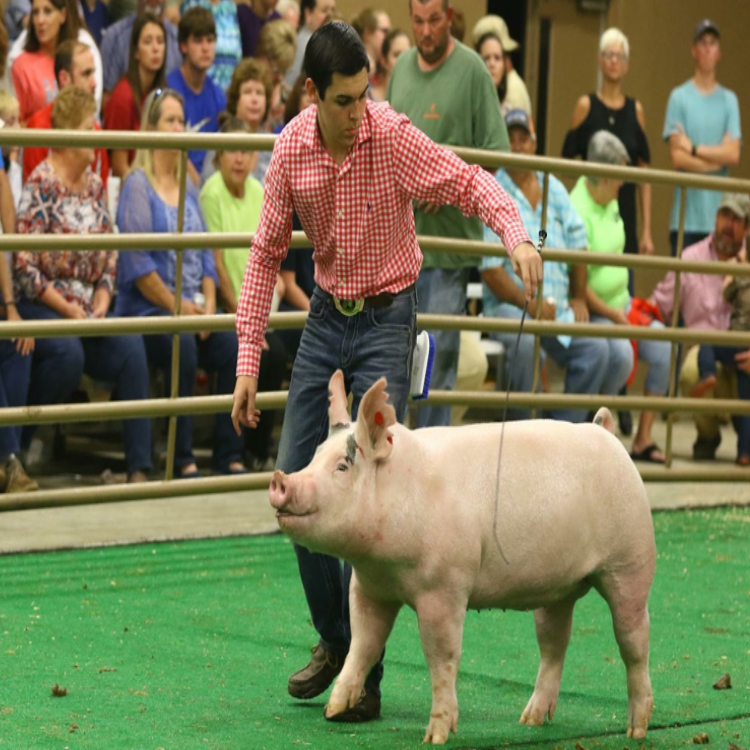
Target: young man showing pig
x,y
351,169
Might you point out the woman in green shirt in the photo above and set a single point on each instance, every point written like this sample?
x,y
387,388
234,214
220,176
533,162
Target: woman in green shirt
x,y
608,297
231,201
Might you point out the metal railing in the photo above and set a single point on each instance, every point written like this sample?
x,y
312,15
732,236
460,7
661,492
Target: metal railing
x,y
174,406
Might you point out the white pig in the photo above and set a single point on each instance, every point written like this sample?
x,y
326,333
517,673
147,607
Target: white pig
x,y
413,514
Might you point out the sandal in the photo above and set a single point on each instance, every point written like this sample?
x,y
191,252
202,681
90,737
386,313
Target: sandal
x,y
647,454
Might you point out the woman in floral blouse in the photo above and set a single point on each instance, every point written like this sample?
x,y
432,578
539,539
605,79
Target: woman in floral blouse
x,y
63,196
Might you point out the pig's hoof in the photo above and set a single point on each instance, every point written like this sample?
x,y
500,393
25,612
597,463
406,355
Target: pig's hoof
x,y
439,728
639,717
366,708
537,709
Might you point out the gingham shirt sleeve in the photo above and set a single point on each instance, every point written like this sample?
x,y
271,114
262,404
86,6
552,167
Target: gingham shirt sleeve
x,y
428,172
269,248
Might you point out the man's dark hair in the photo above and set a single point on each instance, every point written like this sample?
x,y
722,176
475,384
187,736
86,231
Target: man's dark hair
x,y
64,55
197,22
334,48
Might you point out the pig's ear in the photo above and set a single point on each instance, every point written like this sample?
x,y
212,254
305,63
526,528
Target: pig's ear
x,y
337,413
375,417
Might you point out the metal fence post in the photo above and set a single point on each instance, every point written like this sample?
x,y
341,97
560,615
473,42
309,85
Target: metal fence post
x,y
539,296
175,382
675,322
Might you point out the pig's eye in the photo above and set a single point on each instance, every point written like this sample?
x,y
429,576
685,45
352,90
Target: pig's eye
x,y
342,467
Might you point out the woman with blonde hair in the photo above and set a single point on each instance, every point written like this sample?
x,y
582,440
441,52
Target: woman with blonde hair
x,y
277,46
147,280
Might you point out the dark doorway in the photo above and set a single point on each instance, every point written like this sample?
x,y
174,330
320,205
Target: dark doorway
x,y
514,13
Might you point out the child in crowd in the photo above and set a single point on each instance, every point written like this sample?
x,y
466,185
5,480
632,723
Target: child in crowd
x,y
9,117
737,293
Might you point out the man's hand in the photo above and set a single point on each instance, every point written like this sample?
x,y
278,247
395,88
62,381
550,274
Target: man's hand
x,y
190,308
580,310
243,408
549,311
527,263
742,361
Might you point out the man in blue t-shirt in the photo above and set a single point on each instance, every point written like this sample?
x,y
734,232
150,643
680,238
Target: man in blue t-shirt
x,y
204,100
702,127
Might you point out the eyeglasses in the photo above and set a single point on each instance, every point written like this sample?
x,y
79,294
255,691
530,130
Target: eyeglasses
x,y
614,56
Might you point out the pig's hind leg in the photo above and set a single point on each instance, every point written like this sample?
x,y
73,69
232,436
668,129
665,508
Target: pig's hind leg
x,y
371,624
626,592
553,626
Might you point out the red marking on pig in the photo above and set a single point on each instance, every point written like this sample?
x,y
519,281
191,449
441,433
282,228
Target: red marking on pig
x,y
390,440
379,419
361,451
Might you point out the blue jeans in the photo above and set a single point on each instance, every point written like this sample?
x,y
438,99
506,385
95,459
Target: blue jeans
x,y
442,291
376,343
120,360
708,356
586,362
619,363
15,375
218,353
656,354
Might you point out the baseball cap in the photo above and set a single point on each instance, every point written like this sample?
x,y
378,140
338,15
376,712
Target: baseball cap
x,y
494,25
518,118
737,203
705,26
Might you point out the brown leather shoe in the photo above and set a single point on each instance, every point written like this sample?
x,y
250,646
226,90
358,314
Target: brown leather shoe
x,y
366,708
18,479
317,676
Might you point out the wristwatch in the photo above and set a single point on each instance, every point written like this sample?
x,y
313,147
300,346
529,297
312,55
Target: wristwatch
x,y
695,150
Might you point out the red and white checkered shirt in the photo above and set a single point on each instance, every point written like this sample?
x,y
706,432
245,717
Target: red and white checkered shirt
x,y
358,216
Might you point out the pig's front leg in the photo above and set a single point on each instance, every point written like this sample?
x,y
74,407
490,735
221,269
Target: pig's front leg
x,y
441,626
371,624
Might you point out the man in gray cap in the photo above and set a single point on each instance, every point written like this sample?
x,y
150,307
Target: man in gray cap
x,y
702,306
702,127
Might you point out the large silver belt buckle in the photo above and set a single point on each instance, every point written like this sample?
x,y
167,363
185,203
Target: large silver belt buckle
x,y
349,307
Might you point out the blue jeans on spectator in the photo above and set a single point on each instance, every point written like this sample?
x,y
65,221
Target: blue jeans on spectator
x,y
218,353
376,343
442,291
586,363
121,360
708,356
15,375
619,364
657,355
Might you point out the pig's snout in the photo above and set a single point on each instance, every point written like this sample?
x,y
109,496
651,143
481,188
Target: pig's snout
x,y
279,492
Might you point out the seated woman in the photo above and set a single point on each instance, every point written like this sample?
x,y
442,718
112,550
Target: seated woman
x,y
15,373
63,196
146,70
608,297
231,202
146,282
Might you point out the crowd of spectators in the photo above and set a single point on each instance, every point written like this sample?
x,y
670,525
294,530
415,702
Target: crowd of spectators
x,y
226,66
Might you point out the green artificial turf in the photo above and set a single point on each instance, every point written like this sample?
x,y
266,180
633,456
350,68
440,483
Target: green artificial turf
x,y
189,645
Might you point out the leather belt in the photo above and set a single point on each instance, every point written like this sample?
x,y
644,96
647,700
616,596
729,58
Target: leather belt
x,y
351,307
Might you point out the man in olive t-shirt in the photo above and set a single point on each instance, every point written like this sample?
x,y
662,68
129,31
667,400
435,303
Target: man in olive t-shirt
x,y
444,88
